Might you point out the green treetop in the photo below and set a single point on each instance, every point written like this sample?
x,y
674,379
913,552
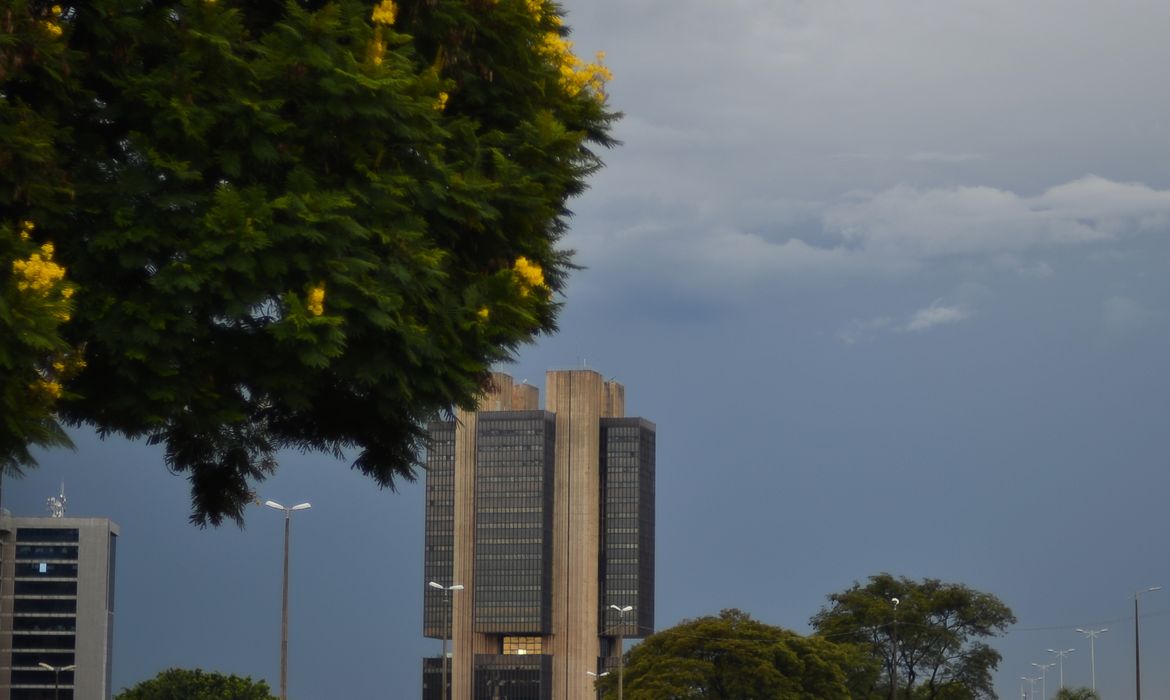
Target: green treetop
x,y
733,657
308,224
176,683
939,630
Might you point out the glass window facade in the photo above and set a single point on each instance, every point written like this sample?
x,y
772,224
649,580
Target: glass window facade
x,y
438,559
513,521
627,549
44,611
502,677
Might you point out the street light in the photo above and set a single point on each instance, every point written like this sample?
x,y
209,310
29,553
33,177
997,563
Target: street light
x,y
894,658
1137,645
1092,635
56,675
597,676
446,617
621,644
1060,654
284,601
1031,685
1043,675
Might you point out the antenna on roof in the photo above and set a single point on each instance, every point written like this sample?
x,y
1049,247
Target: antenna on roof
x,y
57,503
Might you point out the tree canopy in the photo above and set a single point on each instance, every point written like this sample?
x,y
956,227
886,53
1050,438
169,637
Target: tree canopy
x,y
233,227
733,657
940,628
195,684
1076,694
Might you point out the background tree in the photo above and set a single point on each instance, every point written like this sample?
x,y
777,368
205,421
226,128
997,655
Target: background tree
x,y
308,224
940,632
1076,694
733,657
175,683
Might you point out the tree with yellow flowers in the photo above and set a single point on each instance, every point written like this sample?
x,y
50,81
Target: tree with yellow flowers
x,y
233,227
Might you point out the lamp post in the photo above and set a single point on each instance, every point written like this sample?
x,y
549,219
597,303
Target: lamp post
x,y
621,644
1137,645
56,675
1060,654
284,598
597,677
446,617
1092,635
1043,675
894,657
1031,686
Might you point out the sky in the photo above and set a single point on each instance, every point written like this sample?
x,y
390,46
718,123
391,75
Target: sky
x,y
891,280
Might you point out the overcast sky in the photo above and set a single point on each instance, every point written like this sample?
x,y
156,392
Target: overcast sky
x,y
891,279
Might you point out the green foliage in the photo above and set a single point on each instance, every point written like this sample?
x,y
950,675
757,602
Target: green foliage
x,y
939,627
733,657
1076,694
288,225
177,683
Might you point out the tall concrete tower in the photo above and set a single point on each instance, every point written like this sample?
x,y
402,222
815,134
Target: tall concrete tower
x,y
546,520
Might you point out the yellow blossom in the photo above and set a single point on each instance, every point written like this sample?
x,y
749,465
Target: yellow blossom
x,y
377,48
39,273
316,300
484,313
529,274
56,10
385,12
576,75
535,7
441,103
45,386
52,28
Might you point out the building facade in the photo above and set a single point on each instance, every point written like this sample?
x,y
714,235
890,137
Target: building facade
x,y
546,518
56,607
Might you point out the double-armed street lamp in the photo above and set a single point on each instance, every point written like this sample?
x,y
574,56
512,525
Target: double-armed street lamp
x,y
284,599
446,620
56,675
1092,635
1137,645
1043,676
597,677
1060,654
621,611
1031,686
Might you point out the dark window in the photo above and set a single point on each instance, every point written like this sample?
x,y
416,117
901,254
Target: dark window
x,y
46,570
45,605
44,624
43,641
46,534
45,588
41,552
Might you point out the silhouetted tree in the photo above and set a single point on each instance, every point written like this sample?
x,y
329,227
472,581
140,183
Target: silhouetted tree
x,y
940,629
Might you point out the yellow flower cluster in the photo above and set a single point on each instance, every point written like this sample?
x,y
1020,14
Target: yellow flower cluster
x,y
576,75
528,273
48,387
50,25
316,300
26,229
484,313
441,102
385,12
39,273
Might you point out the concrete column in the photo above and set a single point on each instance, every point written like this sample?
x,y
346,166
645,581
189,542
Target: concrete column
x,y
576,397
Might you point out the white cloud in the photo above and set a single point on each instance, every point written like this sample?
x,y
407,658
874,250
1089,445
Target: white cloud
x,y
935,315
